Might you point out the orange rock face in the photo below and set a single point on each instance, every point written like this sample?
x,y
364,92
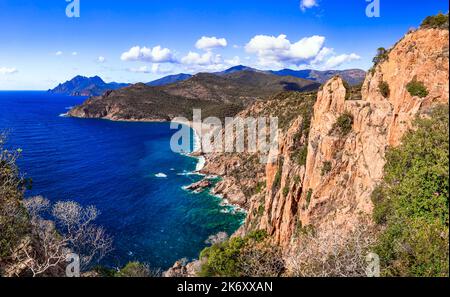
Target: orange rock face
x,y
337,198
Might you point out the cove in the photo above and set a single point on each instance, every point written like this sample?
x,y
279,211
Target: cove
x,y
127,170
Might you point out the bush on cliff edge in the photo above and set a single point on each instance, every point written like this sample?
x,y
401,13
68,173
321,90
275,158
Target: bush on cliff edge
x,y
247,256
412,202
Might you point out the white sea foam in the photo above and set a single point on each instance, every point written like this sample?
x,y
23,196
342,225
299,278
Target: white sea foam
x,y
185,173
161,175
197,142
63,115
200,164
197,148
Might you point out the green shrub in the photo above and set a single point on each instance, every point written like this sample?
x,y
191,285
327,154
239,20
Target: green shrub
x,y
381,56
379,199
308,197
134,269
298,227
14,220
414,247
417,88
103,271
261,209
224,259
412,202
439,21
302,155
384,89
260,186
326,168
285,191
258,235
343,124
277,179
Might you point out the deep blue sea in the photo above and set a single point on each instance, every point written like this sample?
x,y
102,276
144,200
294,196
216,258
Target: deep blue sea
x,y
112,165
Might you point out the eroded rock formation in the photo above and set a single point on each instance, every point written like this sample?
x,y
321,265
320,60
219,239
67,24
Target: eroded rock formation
x,y
331,189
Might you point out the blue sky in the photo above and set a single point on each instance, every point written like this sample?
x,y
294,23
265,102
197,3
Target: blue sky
x,y
132,41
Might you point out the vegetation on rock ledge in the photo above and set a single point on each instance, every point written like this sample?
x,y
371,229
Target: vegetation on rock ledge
x,y
412,202
251,255
343,124
417,88
384,89
439,21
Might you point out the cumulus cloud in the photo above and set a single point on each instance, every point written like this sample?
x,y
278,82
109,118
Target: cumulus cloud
x,y
58,53
328,59
101,59
208,61
74,54
234,61
310,51
305,4
155,55
6,70
161,68
336,61
209,43
208,58
274,51
156,68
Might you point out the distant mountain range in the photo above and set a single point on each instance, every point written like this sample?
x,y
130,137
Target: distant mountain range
x,y
216,95
238,68
352,76
86,86
95,86
170,79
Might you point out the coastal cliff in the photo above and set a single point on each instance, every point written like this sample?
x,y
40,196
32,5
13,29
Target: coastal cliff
x,y
330,163
323,194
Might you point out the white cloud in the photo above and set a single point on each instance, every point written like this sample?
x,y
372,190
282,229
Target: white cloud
x,y
234,61
161,69
58,53
279,50
155,69
208,58
336,61
74,53
6,70
142,69
305,4
321,57
101,59
156,54
328,59
209,43
195,62
308,52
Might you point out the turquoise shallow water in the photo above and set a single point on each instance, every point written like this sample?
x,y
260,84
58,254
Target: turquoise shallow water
x,y
112,165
